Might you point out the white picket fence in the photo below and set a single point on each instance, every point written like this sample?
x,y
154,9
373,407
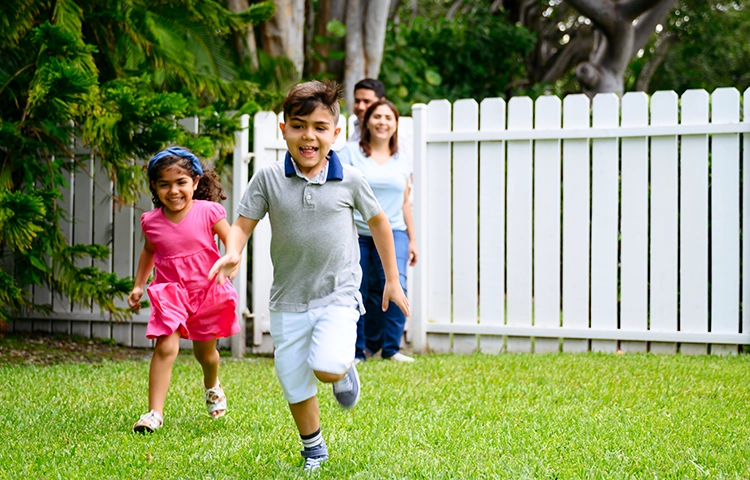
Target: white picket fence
x,y
582,227
543,226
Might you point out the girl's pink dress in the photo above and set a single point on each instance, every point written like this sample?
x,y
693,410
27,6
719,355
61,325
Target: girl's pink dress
x,y
182,297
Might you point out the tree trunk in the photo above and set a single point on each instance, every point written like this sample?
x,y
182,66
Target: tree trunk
x,y
245,45
338,12
619,39
321,21
365,37
310,33
283,34
376,19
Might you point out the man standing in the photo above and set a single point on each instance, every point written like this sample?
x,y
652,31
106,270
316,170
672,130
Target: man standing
x,y
366,92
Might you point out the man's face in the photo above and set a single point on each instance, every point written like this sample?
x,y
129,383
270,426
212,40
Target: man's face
x,y
363,98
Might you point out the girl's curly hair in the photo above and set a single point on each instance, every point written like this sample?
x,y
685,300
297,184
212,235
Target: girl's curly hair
x,y
209,187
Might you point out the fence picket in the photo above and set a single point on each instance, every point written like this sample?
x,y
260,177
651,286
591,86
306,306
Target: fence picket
x,y
546,171
266,126
604,222
634,218
492,224
576,222
694,221
82,215
519,223
465,255
663,249
439,225
725,218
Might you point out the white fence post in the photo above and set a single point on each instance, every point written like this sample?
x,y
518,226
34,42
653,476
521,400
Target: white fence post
x,y
547,165
266,125
519,221
605,206
438,224
492,224
725,218
419,294
240,175
664,225
576,222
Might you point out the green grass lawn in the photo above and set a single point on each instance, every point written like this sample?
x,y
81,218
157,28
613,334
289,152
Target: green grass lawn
x,y
444,416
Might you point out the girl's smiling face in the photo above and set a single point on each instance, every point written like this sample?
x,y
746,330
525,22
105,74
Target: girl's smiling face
x,y
175,188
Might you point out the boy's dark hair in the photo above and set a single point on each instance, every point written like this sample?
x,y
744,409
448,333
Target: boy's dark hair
x,y
209,187
364,142
306,97
371,84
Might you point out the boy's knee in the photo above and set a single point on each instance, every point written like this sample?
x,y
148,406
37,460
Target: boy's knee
x,y
327,377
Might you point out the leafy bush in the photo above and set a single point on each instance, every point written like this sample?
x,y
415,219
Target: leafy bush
x,y
476,55
112,80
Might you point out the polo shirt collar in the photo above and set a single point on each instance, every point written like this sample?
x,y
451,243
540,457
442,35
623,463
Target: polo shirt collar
x,y
335,170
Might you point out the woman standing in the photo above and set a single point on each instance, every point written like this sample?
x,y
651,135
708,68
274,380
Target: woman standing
x,y
378,158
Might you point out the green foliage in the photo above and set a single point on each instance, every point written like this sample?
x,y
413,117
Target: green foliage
x,y
476,55
710,51
109,78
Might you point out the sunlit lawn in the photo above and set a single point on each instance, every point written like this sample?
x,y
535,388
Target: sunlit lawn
x,y
445,416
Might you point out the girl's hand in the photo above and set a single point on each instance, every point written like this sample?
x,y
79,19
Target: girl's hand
x,y
392,292
413,253
134,299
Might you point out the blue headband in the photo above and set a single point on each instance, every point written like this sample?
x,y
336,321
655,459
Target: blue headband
x,y
179,152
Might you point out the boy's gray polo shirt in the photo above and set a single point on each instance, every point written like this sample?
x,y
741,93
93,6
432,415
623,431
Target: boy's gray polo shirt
x,y
314,246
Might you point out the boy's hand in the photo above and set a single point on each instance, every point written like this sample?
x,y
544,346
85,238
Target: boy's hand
x,y
225,267
134,299
392,292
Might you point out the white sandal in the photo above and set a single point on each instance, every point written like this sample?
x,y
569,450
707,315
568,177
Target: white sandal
x,y
148,422
216,401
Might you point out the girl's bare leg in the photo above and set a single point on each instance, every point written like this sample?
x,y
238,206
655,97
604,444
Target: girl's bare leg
x,y
160,373
208,357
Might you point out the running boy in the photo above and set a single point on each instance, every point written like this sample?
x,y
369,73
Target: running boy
x,y
315,299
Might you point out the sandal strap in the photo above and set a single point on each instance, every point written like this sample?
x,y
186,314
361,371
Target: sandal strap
x,y
215,399
153,419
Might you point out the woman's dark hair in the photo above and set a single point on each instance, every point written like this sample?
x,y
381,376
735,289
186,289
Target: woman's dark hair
x,y
209,187
364,141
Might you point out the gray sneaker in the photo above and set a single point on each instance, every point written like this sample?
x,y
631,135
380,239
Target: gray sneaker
x,y
346,390
314,457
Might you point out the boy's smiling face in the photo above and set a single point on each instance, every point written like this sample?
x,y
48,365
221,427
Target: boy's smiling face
x,y
309,139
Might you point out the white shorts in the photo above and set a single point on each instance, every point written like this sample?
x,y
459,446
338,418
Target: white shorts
x,y
319,339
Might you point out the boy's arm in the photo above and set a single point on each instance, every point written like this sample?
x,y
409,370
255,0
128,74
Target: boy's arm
x,y
236,239
145,266
382,234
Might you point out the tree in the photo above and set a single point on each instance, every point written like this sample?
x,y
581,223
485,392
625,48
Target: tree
x,y
475,54
112,80
365,36
308,34
598,38
699,47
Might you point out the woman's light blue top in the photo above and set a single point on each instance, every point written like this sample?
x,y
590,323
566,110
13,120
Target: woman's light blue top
x,y
388,183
